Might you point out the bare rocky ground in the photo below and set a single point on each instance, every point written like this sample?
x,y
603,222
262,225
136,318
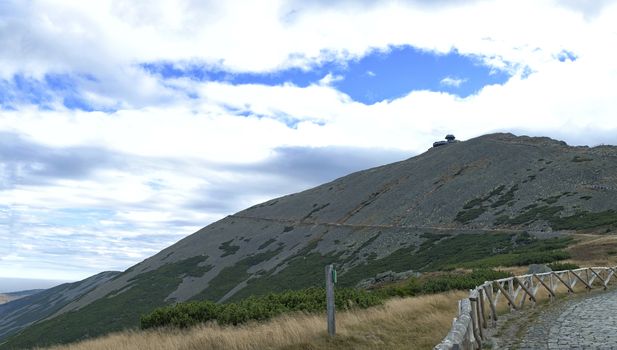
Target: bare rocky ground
x,y
581,321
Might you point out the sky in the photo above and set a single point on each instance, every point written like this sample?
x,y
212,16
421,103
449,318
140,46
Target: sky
x,y
128,125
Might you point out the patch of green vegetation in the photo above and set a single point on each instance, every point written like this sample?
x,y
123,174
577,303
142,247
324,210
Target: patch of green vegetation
x,y
310,300
442,282
520,259
474,202
314,210
506,197
266,243
368,242
440,252
480,200
529,250
580,159
228,249
231,276
584,220
114,312
586,198
562,266
473,208
184,315
304,269
530,215
579,221
466,216
436,253
552,199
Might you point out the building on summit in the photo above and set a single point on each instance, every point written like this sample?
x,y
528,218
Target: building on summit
x,y
449,139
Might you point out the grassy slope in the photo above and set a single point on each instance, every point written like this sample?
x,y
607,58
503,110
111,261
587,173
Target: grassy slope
x,y
304,270
409,323
118,310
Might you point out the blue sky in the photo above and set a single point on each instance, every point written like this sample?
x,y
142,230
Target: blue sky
x,y
379,75
127,125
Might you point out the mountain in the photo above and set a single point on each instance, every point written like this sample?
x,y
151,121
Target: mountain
x,y
452,205
6,297
35,305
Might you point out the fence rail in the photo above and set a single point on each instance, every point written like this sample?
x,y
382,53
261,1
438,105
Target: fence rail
x,y
478,312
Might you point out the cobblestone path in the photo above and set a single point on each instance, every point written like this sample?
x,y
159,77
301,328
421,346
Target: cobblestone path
x,y
588,322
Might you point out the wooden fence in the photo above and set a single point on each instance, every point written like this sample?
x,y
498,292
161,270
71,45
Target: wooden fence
x,y
479,312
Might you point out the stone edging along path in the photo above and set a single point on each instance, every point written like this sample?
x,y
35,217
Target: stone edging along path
x,y
478,312
584,321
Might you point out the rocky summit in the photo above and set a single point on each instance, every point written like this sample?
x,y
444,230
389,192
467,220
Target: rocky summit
x,y
437,210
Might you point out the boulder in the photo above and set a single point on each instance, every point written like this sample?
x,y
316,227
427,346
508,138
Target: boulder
x,y
385,277
538,268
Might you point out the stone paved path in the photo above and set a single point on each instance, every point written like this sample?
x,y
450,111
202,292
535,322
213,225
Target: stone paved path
x,y
588,322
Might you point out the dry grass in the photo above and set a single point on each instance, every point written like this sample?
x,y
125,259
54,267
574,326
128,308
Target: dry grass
x,y
408,323
594,250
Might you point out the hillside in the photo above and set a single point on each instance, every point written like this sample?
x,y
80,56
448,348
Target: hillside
x,y
6,297
463,204
23,311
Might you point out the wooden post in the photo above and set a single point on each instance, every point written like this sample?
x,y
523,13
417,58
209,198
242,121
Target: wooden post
x,y
582,280
610,274
570,290
475,325
508,295
330,275
488,289
551,292
599,277
481,297
524,287
511,290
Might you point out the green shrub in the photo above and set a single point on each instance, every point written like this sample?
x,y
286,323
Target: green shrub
x,y
580,159
188,314
441,283
465,216
562,266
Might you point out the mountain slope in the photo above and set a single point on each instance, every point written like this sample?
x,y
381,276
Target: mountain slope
x,y
447,206
6,297
20,313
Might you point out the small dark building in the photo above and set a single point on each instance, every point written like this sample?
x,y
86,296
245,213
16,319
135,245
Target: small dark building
x,y
439,143
450,139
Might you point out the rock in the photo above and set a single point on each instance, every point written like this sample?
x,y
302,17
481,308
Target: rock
x,y
384,277
538,268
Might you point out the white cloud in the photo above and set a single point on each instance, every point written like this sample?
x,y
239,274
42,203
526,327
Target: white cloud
x,y
453,82
180,148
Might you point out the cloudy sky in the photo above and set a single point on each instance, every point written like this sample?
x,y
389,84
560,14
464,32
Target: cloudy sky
x,y
127,125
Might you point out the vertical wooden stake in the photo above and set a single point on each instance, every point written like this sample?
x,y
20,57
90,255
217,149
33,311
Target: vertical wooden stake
x,y
330,299
475,324
489,295
482,312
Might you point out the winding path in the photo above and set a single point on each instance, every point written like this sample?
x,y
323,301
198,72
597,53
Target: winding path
x,y
586,322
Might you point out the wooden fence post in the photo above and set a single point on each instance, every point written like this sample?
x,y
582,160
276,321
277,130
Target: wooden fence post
x,y
330,276
482,313
488,289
